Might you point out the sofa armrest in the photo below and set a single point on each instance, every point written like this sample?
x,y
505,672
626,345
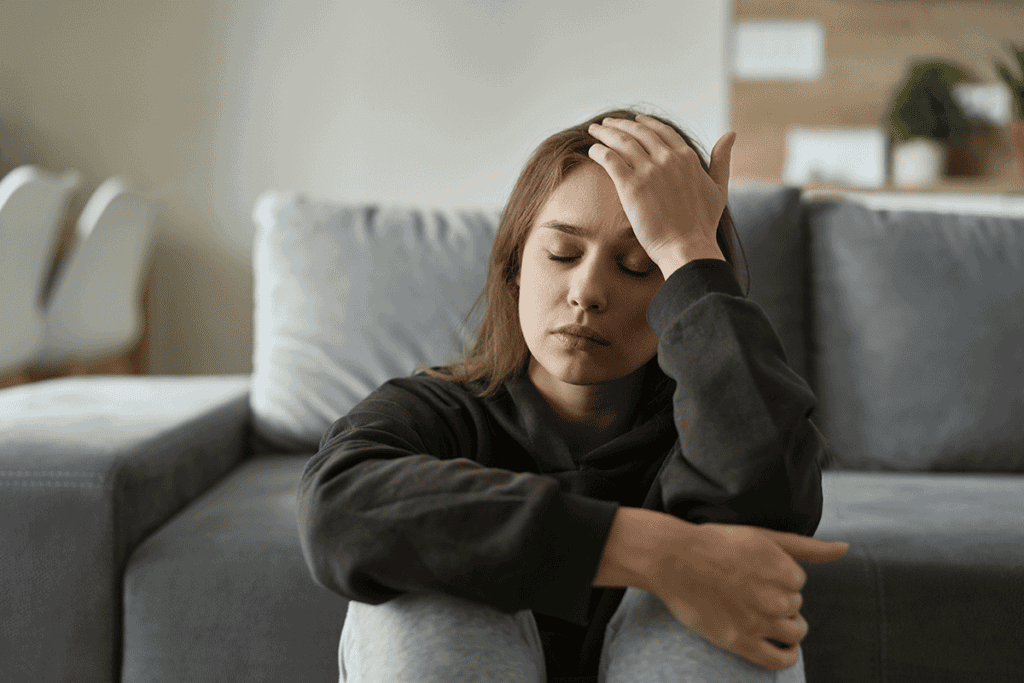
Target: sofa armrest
x,y
89,467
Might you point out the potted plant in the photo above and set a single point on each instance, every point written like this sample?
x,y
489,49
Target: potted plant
x,y
926,122
1016,86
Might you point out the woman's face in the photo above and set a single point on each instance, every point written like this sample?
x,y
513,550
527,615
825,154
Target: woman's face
x,y
593,286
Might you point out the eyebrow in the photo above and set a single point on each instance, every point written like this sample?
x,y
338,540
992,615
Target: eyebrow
x,y
577,231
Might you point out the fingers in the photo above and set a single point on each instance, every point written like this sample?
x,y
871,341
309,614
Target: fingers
x,y
625,145
641,141
721,160
789,575
655,143
780,603
668,136
806,548
769,655
833,551
610,160
796,601
787,630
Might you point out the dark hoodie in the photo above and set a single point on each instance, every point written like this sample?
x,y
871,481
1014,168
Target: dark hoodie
x,y
424,487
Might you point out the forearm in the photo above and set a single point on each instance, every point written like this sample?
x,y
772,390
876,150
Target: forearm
x,y
632,554
678,255
747,453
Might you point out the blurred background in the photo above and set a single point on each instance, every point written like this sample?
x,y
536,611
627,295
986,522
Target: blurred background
x,y
204,104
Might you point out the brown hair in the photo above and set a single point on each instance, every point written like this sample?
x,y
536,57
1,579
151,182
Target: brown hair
x,y
500,351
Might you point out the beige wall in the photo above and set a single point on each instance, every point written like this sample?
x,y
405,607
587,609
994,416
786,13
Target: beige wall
x,y
206,103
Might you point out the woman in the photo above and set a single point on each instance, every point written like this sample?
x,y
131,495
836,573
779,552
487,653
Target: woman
x,y
626,420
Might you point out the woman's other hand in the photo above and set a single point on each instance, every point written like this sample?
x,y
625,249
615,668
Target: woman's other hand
x,y
739,586
672,204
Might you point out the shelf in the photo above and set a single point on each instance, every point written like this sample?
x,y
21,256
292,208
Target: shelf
x,y
1000,186
950,196
947,198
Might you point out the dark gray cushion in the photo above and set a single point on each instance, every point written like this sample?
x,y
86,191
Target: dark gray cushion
x,y
222,593
932,588
919,338
767,221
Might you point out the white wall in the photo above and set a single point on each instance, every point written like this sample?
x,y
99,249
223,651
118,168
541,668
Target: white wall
x,y
206,103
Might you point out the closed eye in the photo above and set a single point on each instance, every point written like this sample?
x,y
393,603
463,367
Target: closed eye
x,y
632,273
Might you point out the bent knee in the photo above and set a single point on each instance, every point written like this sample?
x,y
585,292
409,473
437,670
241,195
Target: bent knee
x,y
433,635
420,611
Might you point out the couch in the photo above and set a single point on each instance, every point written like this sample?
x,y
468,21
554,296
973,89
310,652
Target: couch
x,y
147,524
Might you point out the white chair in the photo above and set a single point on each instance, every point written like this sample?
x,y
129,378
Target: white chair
x,y
93,311
32,205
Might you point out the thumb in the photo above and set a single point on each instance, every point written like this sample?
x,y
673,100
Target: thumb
x,y
721,160
806,548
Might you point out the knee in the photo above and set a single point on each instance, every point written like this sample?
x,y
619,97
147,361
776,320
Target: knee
x,y
645,641
433,633
420,614
640,608
402,622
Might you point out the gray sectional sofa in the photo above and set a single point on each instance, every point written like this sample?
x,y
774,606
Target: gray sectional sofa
x,y
147,524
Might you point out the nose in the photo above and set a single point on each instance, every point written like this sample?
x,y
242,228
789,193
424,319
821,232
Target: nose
x,y
587,290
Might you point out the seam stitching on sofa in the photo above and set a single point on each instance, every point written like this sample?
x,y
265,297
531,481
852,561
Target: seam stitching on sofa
x,y
49,483
880,671
50,473
51,479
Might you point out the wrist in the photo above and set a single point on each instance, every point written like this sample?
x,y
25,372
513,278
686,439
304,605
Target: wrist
x,y
678,255
634,551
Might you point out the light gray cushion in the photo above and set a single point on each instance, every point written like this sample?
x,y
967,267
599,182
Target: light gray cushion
x,y
919,338
348,297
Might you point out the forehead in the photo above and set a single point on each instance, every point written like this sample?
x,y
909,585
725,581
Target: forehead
x,y
585,205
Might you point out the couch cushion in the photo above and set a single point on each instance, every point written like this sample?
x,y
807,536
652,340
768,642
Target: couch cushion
x,y
348,297
222,592
919,337
932,588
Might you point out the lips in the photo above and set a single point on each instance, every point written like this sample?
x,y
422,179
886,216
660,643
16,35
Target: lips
x,y
582,331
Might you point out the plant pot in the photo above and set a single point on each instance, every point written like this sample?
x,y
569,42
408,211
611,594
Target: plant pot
x,y
1017,135
917,162
973,159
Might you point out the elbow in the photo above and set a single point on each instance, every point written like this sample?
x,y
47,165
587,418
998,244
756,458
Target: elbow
x,y
314,529
310,533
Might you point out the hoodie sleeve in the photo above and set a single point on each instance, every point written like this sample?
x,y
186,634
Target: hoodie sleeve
x,y
396,501
747,452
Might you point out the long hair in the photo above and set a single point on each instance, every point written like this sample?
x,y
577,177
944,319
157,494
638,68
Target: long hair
x,y
500,351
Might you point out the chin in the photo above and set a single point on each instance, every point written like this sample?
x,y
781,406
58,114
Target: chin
x,y
577,371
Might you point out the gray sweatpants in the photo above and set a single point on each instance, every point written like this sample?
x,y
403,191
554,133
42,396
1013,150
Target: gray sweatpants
x,y
432,637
